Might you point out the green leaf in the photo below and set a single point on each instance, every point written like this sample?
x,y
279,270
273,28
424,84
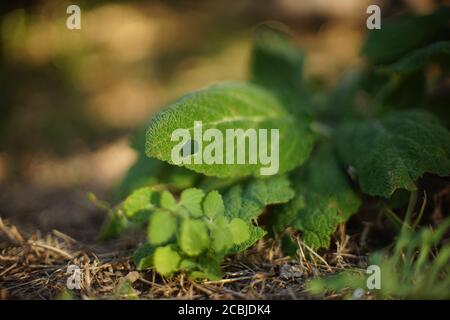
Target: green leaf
x,y
210,266
213,205
221,222
191,199
395,151
318,220
277,65
247,202
188,264
138,205
143,256
115,222
222,239
166,260
323,199
161,227
167,200
239,230
194,238
114,225
256,233
150,171
419,58
230,106
405,34
403,91
142,173
416,268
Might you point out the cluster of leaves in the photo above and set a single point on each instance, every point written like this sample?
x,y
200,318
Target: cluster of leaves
x,y
330,152
195,232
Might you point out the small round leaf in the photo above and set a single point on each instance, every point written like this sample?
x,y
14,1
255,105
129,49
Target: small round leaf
x,y
191,199
222,240
166,260
161,227
213,205
239,230
194,238
167,200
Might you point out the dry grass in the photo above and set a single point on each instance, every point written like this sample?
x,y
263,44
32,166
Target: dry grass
x,y
36,268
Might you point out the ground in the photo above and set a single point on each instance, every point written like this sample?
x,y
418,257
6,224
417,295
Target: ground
x,y
36,266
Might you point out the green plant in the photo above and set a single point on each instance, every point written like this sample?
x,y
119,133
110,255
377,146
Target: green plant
x,y
197,213
416,269
195,232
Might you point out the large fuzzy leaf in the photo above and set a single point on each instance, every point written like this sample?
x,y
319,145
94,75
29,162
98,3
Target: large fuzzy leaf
x,y
230,106
248,202
407,33
395,151
323,199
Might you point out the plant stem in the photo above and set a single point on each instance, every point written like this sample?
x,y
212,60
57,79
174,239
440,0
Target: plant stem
x,y
396,221
410,209
422,209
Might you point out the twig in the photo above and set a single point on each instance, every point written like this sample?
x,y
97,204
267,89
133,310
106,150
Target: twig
x,y
223,281
48,247
315,254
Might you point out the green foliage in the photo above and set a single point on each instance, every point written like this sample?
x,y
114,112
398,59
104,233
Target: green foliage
x,y
394,151
142,173
116,220
196,214
150,171
196,232
239,230
166,260
191,200
193,234
416,269
139,204
323,199
132,212
248,201
143,256
161,226
213,205
419,58
230,106
277,65
193,239
405,34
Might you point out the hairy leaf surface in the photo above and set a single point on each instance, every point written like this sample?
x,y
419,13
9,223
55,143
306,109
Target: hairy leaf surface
x,y
230,106
393,152
247,203
405,34
323,199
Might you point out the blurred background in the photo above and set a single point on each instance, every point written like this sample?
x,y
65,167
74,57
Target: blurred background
x,y
71,100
